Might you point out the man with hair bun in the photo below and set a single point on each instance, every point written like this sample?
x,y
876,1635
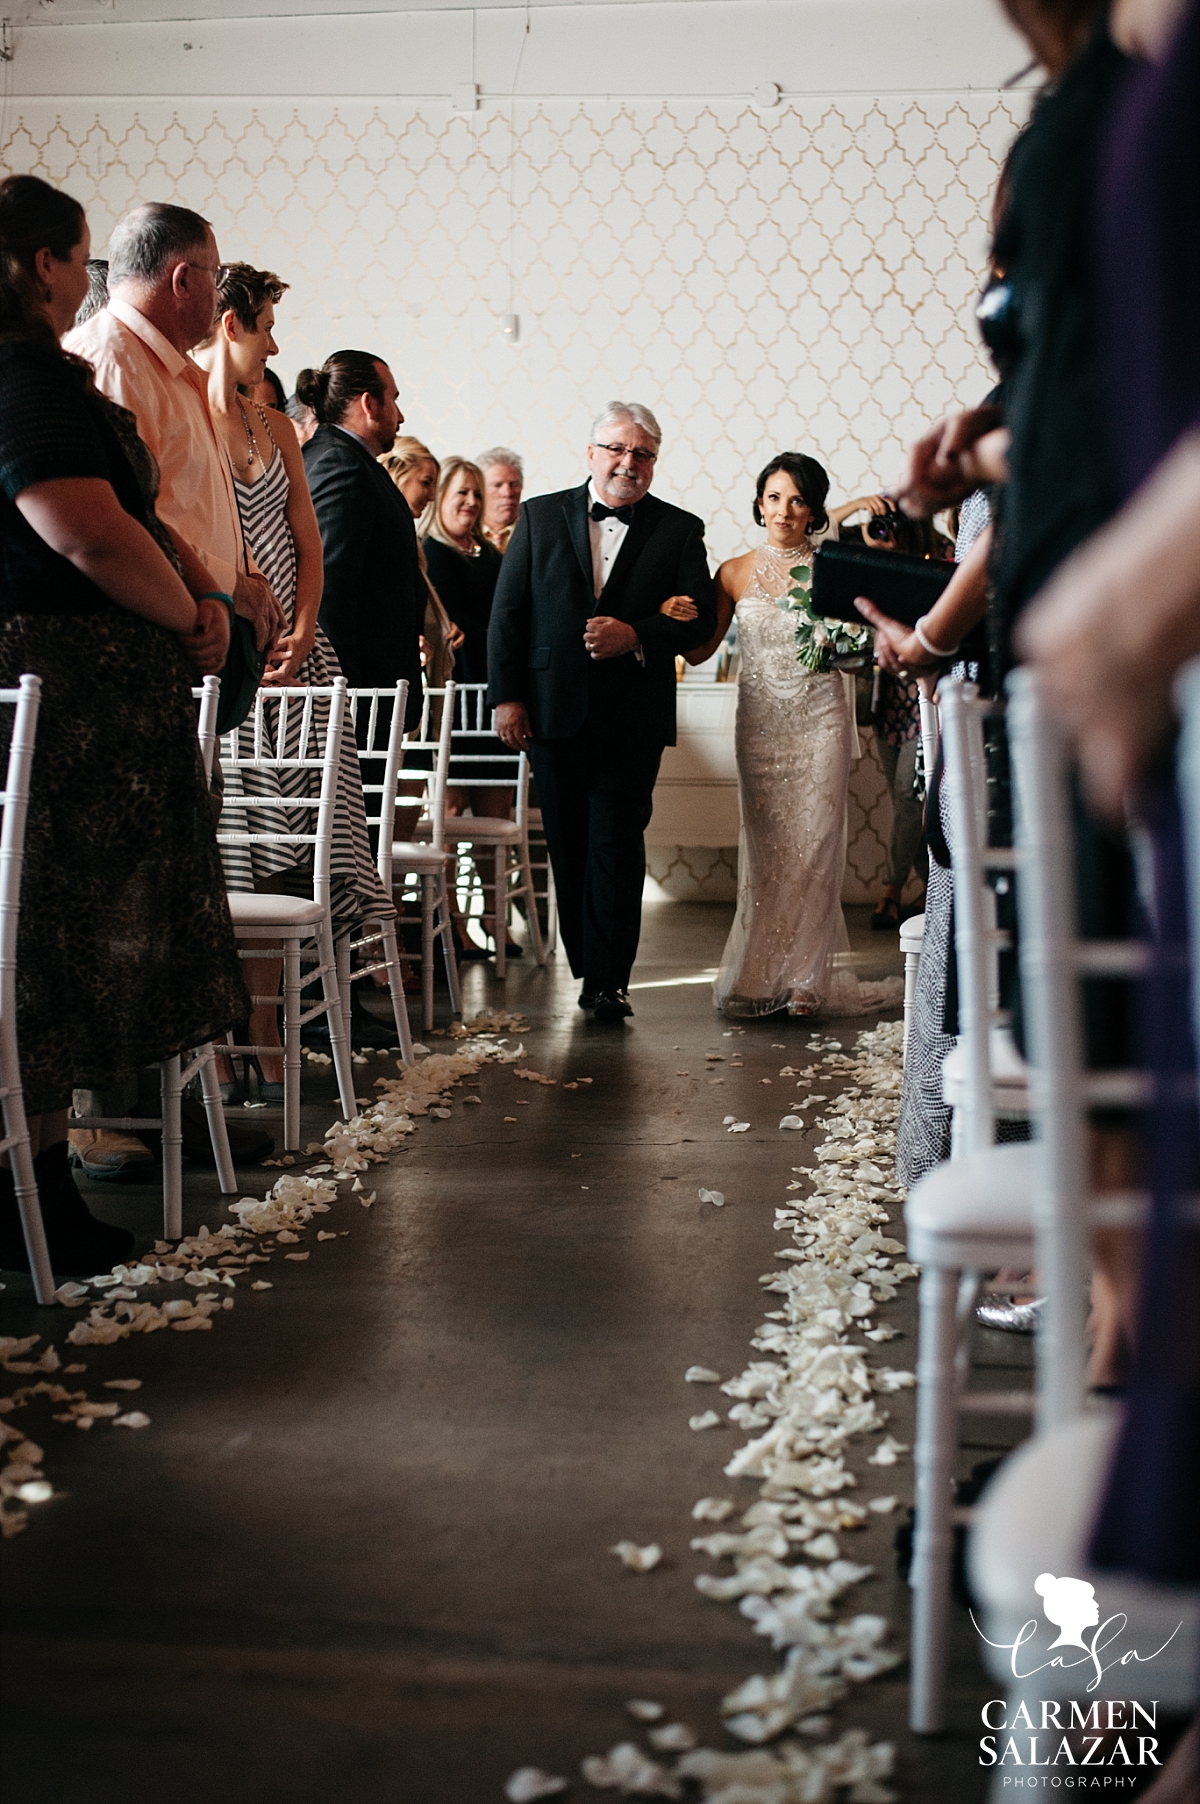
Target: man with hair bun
x,y
582,665
374,599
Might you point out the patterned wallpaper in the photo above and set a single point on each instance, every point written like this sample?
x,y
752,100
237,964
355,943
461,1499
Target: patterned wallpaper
x,y
800,277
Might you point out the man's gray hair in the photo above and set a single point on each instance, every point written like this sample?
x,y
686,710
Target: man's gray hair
x,y
625,410
151,239
500,454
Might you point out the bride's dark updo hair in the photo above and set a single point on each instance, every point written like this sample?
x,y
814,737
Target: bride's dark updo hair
x,y
810,477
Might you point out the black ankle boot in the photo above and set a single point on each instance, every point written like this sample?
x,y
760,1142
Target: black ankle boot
x,y
78,1244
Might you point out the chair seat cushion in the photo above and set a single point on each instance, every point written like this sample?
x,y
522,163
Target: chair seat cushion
x,y
1009,1069
262,912
409,855
481,827
1035,1517
975,1210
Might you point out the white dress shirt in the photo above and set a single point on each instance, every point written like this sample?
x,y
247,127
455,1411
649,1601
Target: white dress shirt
x,y
607,537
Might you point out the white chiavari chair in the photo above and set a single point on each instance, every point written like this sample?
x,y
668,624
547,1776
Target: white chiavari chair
x,y
376,717
1037,1513
478,760
25,700
175,1075
291,730
912,931
968,1217
425,861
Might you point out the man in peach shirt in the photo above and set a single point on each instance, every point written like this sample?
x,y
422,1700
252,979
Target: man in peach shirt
x,y
162,275
162,296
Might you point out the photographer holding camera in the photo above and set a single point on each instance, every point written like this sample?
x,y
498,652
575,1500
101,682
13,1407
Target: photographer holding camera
x,y
896,711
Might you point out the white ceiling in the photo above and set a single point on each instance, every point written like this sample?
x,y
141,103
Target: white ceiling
x,y
51,12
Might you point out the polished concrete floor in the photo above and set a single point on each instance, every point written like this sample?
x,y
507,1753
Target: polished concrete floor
x,y
361,1553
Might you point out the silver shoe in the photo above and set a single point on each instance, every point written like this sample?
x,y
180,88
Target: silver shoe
x,y
995,1311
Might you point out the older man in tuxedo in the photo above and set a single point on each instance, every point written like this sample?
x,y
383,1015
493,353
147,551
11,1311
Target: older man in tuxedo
x,y
581,661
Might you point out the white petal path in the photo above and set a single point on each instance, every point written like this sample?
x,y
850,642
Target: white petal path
x,y
812,1393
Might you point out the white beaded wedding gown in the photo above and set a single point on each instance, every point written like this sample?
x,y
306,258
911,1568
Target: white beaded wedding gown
x,y
788,947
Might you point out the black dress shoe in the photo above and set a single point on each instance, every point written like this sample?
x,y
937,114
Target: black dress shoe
x,y
611,1004
246,1144
587,996
366,1034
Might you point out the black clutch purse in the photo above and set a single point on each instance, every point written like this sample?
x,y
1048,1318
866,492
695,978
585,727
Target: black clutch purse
x,y
902,587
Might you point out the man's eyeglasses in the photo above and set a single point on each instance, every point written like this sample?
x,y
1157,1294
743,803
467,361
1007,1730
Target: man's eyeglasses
x,y
218,274
638,455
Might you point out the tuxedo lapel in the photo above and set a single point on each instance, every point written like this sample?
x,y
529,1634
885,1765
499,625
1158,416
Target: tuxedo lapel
x,y
640,528
575,514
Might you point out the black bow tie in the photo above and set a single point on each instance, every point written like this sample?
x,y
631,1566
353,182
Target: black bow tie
x,y
623,514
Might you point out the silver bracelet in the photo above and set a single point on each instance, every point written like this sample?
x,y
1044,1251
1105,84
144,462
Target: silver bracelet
x,y
935,651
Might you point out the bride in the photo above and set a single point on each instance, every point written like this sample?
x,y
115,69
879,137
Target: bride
x,y
795,738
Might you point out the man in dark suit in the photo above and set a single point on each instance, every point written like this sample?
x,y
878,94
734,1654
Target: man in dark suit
x,y
373,602
581,663
374,598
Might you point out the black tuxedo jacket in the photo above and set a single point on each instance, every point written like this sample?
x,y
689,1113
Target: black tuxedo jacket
x,y
374,599
544,598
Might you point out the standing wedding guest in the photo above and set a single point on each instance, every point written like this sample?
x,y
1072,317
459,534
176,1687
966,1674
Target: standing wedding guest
x,y
374,599
162,272
897,716
162,276
281,531
582,674
97,293
414,470
788,947
503,480
463,569
304,420
125,954
463,566
1109,669
268,391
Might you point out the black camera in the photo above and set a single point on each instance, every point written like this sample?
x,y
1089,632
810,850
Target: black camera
x,y
891,526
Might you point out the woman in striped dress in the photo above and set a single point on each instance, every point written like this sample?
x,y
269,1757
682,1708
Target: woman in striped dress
x,y
282,536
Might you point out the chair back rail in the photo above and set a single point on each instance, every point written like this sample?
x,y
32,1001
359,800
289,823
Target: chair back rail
x,y
25,700
975,939
318,745
1050,969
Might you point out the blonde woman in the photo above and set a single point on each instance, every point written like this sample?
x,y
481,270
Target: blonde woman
x,y
463,568
414,470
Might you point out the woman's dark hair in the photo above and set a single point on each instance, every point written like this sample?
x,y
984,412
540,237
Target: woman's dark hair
x,y
280,391
333,389
1060,27
33,217
810,478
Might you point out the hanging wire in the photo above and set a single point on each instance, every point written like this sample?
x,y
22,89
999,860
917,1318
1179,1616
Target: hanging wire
x,y
512,168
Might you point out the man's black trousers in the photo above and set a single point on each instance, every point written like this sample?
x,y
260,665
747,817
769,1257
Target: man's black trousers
x,y
596,792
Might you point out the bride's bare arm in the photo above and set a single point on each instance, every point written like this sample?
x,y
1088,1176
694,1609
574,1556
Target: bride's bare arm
x,y
729,585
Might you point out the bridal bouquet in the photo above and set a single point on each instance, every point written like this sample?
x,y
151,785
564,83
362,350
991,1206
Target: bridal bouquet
x,y
819,642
